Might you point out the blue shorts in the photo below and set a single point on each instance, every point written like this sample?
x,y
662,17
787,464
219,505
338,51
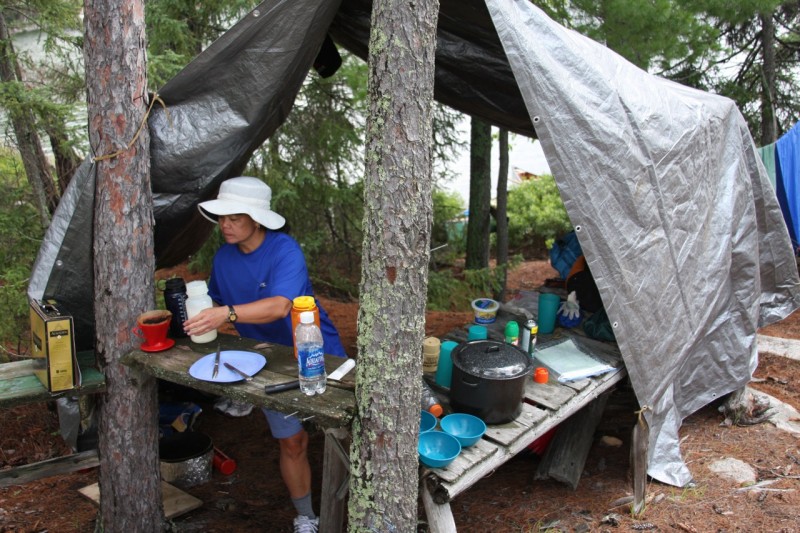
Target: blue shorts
x,y
282,426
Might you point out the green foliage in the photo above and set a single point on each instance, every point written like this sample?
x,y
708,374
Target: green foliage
x,y
446,292
536,214
178,30
447,208
651,34
21,237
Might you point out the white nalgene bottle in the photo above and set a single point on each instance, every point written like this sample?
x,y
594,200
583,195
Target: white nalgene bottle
x,y
310,355
197,300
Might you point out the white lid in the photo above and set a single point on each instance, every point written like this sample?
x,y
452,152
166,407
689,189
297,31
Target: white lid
x,y
196,288
307,317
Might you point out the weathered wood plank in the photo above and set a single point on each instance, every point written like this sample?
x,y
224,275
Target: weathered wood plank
x,y
176,502
551,395
19,386
567,453
469,457
506,434
335,477
440,516
334,408
51,467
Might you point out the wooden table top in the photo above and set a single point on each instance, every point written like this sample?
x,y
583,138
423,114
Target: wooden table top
x,y
334,408
19,385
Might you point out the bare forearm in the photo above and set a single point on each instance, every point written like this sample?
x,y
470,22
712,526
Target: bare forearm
x,y
259,312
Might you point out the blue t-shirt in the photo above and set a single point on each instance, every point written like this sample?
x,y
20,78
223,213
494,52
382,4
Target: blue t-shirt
x,y
276,268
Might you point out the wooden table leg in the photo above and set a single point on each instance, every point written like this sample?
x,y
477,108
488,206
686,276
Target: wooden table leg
x,y
335,480
440,516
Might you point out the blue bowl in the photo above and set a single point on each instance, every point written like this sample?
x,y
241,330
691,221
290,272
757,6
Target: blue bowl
x,y
468,429
427,421
437,449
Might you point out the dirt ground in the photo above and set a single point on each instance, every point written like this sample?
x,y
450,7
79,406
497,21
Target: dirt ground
x,y
510,499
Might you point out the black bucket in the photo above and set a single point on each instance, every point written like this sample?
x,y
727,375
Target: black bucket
x,y
186,458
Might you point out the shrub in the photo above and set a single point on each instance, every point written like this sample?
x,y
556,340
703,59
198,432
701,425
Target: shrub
x,y
537,215
22,233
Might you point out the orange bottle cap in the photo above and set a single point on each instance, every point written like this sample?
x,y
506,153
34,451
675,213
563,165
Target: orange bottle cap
x,y
435,410
541,375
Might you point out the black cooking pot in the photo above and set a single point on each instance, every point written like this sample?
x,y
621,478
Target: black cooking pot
x,y
489,380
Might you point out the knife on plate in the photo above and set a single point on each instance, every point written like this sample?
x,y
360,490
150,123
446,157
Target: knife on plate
x,y
246,377
216,362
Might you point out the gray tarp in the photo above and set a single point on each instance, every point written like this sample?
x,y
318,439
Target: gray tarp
x,y
674,212
671,204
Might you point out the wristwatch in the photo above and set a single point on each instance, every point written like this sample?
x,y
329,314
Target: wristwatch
x,y
232,317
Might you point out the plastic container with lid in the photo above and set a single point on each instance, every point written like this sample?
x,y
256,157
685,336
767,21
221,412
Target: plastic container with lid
x,y
197,300
430,354
300,305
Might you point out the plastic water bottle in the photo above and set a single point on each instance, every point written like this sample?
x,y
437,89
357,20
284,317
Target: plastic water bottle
x,y
198,299
175,302
429,401
310,356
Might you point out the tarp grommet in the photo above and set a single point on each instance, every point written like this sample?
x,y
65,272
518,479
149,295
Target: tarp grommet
x,y
536,120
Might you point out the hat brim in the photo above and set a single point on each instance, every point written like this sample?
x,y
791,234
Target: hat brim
x,y
212,209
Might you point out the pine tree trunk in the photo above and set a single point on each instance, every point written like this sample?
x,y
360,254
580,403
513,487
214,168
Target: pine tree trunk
x,y
398,215
28,142
769,133
130,487
480,195
501,215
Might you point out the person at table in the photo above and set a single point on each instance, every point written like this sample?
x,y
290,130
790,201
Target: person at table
x,y
255,276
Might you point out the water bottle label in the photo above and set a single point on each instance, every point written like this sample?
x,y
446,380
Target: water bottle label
x,y
312,360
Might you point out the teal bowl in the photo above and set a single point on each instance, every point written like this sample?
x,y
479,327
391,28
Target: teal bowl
x,y
427,422
467,429
437,449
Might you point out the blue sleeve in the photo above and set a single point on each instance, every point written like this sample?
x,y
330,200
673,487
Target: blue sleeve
x,y
291,274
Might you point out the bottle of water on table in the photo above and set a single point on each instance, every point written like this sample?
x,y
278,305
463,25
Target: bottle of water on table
x,y
310,355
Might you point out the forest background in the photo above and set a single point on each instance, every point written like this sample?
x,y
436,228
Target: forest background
x,y
747,50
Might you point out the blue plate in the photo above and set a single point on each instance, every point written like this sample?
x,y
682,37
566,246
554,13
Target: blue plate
x,y
248,362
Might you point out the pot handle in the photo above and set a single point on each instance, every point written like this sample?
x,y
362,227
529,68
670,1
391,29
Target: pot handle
x,y
492,348
468,384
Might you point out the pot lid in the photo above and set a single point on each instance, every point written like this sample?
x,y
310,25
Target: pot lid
x,y
492,359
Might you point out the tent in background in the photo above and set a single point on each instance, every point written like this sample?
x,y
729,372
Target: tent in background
x,y
786,166
675,214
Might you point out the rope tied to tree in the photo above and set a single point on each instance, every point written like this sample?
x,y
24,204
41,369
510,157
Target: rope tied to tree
x,y
155,98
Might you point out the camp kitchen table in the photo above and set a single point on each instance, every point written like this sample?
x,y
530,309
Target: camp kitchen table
x,y
333,412
19,386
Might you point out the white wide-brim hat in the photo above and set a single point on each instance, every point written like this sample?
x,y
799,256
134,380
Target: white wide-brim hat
x,y
243,195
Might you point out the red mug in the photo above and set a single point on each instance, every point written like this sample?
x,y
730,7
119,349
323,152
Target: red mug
x,y
152,326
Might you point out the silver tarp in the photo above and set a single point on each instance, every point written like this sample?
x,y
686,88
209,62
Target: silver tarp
x,y
668,197
674,212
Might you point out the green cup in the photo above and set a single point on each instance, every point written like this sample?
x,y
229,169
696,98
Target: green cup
x,y
548,309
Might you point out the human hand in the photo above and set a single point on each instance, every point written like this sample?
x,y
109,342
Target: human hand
x,y
571,308
206,320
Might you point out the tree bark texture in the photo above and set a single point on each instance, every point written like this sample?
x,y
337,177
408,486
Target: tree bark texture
x,y
30,146
398,215
114,50
480,194
501,214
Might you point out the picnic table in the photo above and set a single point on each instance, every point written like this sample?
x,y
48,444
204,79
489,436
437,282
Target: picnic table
x,y
20,386
546,405
332,412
